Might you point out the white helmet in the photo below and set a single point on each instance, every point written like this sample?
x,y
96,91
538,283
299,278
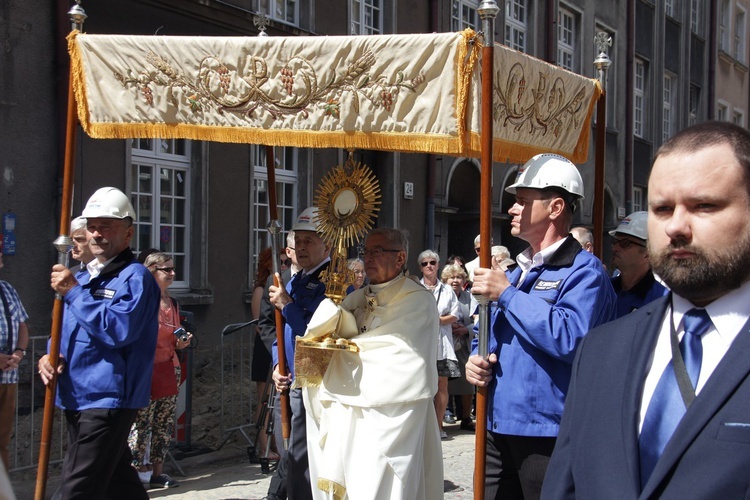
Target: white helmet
x,y
548,170
307,220
108,203
635,224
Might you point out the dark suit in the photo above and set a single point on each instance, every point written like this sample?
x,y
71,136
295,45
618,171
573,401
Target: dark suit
x,y
596,455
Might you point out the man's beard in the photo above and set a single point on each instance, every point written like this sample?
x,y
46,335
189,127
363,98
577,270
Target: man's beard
x,y
707,275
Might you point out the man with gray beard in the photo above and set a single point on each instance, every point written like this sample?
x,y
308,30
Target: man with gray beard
x,y
659,402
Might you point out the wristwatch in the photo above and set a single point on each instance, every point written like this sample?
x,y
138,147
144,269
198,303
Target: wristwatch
x,y
23,351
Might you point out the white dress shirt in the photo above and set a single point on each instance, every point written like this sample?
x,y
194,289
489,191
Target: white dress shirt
x,y
728,315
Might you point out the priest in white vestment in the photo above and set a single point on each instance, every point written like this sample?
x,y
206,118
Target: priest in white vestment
x,y
372,429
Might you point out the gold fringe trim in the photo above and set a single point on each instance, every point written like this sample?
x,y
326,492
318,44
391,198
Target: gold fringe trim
x,y
466,60
78,80
330,486
385,141
581,152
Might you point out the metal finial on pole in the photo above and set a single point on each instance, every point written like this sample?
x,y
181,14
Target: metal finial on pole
x,y
602,41
77,16
261,21
487,11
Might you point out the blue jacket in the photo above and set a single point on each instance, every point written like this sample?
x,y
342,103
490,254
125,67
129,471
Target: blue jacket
x,y
535,330
307,293
109,337
645,291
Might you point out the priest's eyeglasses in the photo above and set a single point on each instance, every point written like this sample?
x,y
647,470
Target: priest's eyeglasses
x,y
377,252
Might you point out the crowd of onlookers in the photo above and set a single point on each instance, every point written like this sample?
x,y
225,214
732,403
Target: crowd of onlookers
x,y
632,382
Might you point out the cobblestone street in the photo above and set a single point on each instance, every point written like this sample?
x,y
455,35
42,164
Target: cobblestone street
x,y
227,474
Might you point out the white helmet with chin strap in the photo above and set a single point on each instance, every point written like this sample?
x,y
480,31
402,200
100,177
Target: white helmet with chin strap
x,y
549,171
108,203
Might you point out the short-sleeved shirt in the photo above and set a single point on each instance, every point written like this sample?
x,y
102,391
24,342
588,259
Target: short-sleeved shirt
x,y
17,316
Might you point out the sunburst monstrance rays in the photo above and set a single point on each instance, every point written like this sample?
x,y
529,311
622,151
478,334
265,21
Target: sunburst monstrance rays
x,y
347,199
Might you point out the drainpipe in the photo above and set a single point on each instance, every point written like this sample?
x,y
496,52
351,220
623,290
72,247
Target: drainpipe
x,y
629,118
431,174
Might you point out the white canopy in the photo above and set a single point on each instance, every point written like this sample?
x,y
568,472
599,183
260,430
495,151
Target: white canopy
x,y
413,93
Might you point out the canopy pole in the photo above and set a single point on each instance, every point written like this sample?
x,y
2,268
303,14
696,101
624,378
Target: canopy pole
x,y
63,244
602,40
274,227
487,10
261,22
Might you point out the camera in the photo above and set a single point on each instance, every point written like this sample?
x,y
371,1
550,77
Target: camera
x,y
181,334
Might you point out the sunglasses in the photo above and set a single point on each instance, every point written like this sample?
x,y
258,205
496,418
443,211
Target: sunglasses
x,y
428,263
166,270
286,262
625,243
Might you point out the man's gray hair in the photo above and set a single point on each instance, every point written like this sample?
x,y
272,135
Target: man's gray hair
x,y
77,224
398,238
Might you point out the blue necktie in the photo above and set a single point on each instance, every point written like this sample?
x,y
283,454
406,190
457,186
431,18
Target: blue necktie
x,y
667,406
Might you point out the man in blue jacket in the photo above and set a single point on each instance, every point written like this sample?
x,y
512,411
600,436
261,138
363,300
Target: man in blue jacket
x,y
635,285
542,309
297,303
106,353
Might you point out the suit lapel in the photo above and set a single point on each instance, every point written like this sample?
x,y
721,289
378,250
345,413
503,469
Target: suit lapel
x,y
644,342
731,371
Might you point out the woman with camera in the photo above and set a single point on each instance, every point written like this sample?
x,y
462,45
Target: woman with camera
x,y
152,430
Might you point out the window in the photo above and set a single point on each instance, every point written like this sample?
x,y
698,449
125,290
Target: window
x,y
367,17
286,193
281,10
722,111
724,12
567,38
464,15
637,199
639,88
739,35
696,16
516,13
669,7
695,101
160,192
738,117
669,109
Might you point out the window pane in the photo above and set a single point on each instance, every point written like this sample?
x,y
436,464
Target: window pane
x,y
144,179
144,208
165,239
166,210
179,240
144,237
165,176
179,211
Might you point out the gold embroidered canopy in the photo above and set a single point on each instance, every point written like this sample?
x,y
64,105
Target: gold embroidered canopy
x,y
412,93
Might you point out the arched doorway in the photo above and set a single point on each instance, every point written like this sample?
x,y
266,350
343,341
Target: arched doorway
x,y
463,208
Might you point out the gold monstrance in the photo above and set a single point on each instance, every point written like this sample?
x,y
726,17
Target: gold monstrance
x,y
346,199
